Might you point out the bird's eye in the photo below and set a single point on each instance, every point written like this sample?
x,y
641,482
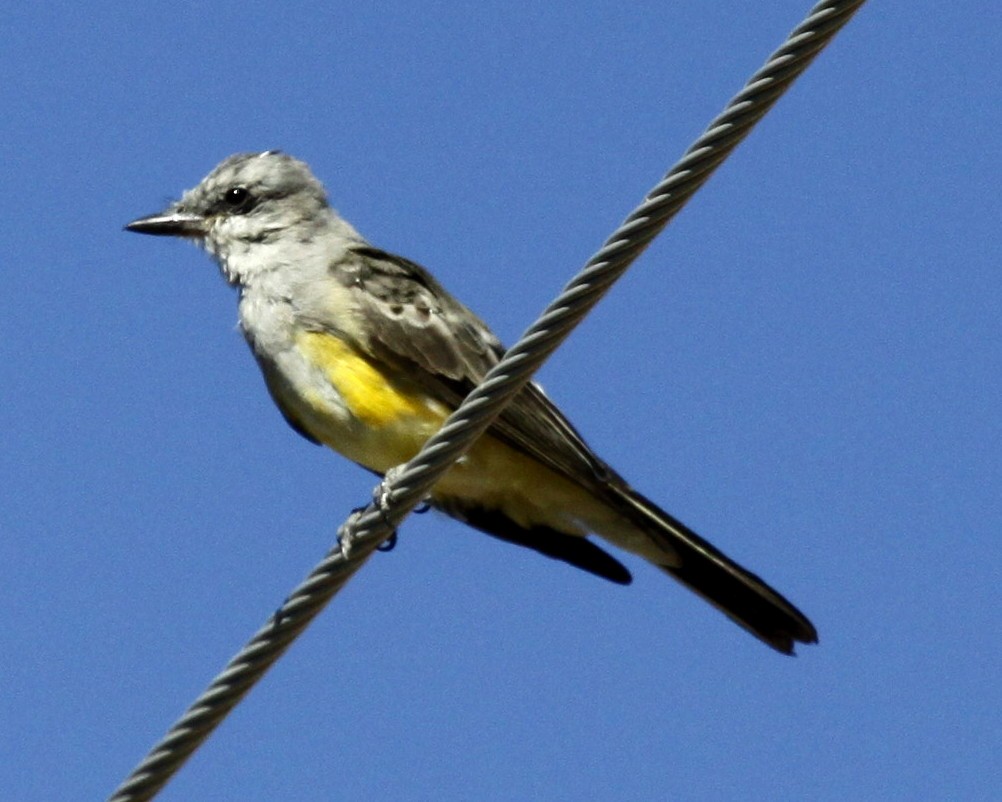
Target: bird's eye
x,y
238,199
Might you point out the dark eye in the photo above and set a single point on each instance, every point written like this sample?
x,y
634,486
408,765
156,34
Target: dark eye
x,y
237,199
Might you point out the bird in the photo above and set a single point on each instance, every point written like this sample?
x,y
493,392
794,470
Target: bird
x,y
365,352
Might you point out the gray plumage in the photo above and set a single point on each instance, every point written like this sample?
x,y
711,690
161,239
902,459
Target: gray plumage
x,y
365,352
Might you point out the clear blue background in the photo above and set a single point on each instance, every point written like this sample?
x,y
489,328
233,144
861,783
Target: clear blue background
x,y
805,367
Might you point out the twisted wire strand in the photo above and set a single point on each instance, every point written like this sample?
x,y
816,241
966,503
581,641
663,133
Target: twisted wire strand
x,y
406,486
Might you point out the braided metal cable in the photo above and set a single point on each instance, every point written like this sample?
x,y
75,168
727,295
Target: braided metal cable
x,y
405,487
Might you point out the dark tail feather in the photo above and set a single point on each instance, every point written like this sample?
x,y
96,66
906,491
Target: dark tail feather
x,y
573,549
738,593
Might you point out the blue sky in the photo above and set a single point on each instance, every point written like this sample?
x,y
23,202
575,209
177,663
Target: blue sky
x,y
805,368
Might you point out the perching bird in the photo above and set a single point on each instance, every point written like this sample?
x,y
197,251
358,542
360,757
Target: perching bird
x,y
365,352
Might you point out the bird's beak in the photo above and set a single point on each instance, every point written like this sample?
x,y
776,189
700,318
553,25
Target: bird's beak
x,y
172,223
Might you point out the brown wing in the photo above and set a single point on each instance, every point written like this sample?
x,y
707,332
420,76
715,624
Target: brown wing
x,y
411,318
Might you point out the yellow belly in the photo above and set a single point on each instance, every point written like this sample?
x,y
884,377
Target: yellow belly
x,y
380,421
371,418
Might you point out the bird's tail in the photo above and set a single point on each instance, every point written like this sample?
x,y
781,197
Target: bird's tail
x,y
699,566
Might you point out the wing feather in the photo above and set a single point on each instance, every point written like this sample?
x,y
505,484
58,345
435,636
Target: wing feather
x,y
414,324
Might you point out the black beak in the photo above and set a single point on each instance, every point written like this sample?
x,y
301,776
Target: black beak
x,y
170,224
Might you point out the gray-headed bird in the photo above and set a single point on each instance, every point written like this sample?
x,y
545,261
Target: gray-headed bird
x,y
366,353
